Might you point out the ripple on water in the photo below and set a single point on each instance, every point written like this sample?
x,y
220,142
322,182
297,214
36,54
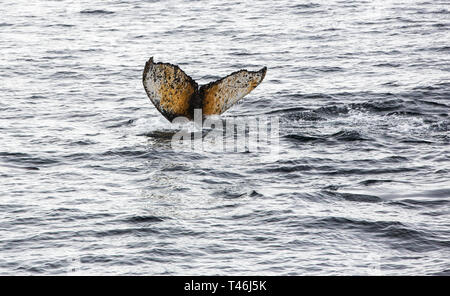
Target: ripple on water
x,y
89,179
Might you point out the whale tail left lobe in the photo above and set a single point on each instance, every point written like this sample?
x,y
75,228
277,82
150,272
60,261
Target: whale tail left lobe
x,y
169,89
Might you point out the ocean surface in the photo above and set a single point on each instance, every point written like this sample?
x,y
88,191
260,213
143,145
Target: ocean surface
x,y
89,182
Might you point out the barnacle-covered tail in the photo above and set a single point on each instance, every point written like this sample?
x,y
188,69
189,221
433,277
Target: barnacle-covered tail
x,y
169,89
220,95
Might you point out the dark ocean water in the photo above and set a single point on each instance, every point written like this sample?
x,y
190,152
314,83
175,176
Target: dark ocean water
x,y
89,183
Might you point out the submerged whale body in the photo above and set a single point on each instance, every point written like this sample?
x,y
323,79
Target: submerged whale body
x,y
175,94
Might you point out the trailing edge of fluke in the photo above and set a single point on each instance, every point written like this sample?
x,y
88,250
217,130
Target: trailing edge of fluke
x,y
174,93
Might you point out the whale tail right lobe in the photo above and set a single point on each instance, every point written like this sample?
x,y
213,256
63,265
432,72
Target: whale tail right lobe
x,y
220,95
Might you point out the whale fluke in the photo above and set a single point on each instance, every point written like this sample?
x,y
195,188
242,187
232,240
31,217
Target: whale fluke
x,y
174,93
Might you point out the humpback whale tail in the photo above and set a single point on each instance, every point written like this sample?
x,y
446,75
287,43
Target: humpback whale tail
x,y
174,93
